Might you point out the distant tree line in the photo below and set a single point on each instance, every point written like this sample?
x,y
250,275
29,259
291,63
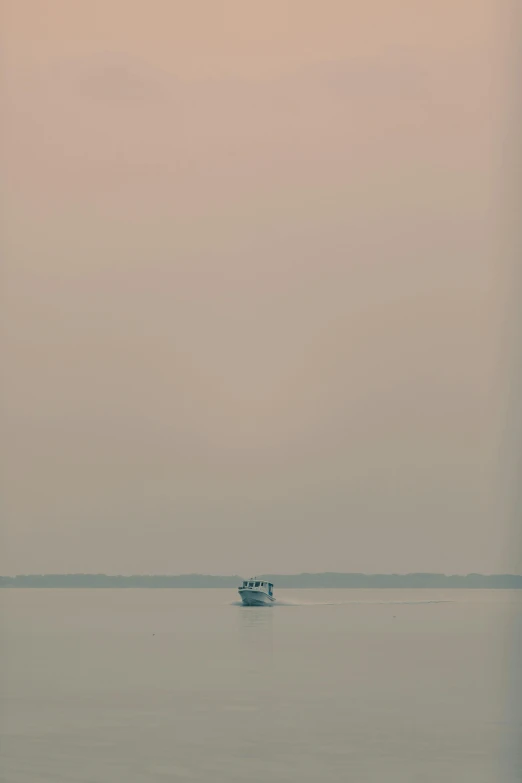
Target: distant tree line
x,y
324,580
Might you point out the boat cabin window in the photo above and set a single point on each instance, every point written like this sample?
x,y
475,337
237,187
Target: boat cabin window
x,y
257,584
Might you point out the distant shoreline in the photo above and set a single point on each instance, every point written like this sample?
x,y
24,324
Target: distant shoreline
x,y
297,581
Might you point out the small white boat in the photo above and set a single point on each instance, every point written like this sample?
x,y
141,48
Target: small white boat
x,y
256,592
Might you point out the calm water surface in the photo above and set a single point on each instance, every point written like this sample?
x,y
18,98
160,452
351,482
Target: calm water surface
x,y
366,686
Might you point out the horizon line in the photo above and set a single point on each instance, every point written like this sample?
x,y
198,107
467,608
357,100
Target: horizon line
x,y
273,573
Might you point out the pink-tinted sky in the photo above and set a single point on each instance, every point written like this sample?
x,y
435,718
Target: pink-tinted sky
x,y
253,301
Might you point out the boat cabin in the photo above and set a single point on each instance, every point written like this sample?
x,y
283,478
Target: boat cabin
x,y
258,584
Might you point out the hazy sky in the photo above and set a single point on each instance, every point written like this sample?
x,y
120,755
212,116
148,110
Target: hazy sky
x,y
253,300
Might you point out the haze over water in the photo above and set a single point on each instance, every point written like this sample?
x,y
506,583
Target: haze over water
x,y
254,275
257,315
366,686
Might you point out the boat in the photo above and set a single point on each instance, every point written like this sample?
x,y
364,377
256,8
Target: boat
x,y
256,592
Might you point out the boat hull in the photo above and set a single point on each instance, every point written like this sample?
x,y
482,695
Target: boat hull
x,y
255,598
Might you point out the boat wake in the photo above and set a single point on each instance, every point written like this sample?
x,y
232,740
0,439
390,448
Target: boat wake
x,y
285,602
348,603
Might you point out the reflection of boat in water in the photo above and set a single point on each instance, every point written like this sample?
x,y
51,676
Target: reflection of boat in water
x,y
256,592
